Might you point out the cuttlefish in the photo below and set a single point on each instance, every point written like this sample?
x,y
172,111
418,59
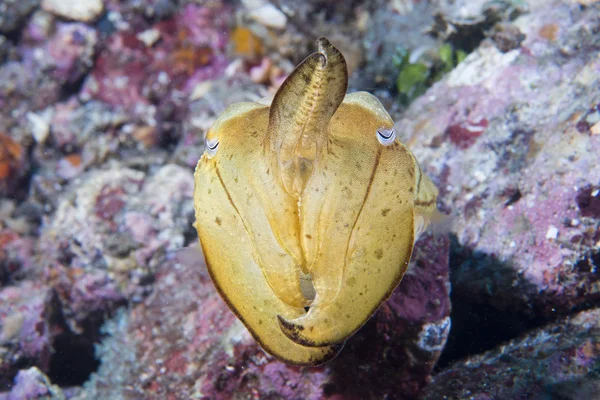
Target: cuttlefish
x,y
307,210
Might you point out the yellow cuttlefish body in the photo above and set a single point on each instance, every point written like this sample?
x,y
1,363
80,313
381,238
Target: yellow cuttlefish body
x,y
308,209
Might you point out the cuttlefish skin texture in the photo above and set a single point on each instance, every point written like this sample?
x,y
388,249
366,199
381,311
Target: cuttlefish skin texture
x,y
310,203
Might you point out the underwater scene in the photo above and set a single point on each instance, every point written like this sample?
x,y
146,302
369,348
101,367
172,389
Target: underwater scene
x,y
277,199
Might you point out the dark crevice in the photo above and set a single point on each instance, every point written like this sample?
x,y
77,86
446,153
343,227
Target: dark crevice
x,y
477,328
13,37
73,359
480,324
469,37
190,235
70,89
514,196
588,201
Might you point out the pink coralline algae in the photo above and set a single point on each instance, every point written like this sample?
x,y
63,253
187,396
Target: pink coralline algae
x,y
519,253
26,333
95,254
464,135
188,48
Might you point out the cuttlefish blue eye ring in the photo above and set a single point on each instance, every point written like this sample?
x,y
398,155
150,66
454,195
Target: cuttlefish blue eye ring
x,y
386,136
211,147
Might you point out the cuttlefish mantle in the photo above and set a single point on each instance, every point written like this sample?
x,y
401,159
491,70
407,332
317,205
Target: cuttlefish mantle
x,y
307,210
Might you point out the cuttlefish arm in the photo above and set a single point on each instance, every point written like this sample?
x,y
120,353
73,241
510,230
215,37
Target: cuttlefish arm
x,y
367,215
256,277
300,113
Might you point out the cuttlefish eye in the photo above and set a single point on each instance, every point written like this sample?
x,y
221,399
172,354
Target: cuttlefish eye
x,y
211,147
386,136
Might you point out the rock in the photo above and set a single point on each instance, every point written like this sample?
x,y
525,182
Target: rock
x,y
18,83
72,50
555,361
201,349
33,384
16,251
455,21
51,56
69,167
96,256
26,328
12,164
14,12
74,125
154,10
149,37
78,10
503,134
130,74
265,13
507,37
40,127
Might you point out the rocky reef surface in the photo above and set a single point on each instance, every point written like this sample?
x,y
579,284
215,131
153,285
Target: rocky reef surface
x,y
103,108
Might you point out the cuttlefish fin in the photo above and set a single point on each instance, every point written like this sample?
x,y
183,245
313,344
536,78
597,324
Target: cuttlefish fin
x,y
426,211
